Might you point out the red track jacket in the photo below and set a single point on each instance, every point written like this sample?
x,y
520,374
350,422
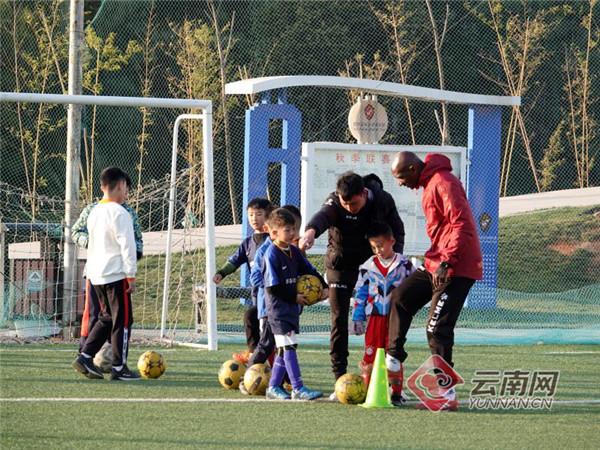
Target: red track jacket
x,y
450,223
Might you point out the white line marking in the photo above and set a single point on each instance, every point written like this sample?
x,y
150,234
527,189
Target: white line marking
x,y
213,400
132,400
577,402
572,353
69,350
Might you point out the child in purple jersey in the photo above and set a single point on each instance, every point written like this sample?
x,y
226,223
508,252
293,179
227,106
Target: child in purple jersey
x,y
283,264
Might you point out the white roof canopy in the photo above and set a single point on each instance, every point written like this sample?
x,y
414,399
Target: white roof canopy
x,y
256,85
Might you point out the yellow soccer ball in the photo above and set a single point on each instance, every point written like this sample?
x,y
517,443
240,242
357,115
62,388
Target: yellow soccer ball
x,y
231,374
256,379
350,389
309,286
151,364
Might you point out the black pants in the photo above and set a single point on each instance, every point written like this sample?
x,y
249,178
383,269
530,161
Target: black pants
x,y
446,305
91,311
115,320
341,285
251,327
265,346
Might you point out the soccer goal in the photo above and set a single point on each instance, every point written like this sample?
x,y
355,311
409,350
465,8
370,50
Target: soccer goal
x,y
174,204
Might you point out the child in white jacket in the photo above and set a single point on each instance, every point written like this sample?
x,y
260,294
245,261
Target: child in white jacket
x,y
111,269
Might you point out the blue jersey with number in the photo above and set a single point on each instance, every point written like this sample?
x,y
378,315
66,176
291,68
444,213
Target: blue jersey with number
x,y
282,269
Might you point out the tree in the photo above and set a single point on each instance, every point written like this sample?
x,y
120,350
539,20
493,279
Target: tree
x,y
393,17
194,52
358,68
553,159
103,57
149,66
438,43
582,124
223,45
519,39
35,49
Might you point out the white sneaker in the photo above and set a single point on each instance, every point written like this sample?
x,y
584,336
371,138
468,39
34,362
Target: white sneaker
x,y
392,364
450,394
333,397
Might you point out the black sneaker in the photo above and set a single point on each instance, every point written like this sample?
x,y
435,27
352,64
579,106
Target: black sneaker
x,y
399,399
124,374
86,367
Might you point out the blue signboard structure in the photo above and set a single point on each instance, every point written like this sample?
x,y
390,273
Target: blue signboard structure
x,y
484,140
258,155
483,185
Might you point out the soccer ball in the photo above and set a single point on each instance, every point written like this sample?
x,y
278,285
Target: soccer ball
x,y
231,373
256,379
309,286
151,364
103,359
350,389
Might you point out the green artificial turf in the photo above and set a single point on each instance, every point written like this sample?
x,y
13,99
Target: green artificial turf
x,y
43,371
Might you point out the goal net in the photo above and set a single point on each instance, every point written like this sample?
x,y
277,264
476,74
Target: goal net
x,y
169,196
32,239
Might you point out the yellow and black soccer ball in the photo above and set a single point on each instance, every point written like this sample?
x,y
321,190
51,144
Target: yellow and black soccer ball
x,y
151,364
256,379
103,359
309,286
231,374
350,389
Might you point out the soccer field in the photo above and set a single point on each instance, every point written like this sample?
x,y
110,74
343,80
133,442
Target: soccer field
x,y
45,404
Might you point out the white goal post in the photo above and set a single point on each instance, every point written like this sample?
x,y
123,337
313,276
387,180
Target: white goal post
x,y
209,228
207,153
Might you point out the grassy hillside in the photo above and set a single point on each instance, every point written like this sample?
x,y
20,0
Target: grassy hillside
x,y
550,251
540,252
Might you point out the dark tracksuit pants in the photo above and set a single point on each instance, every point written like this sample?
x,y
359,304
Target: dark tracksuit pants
x,y
91,311
251,327
114,321
265,347
446,305
341,286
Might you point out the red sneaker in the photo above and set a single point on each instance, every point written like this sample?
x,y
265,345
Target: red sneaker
x,y
242,357
365,372
396,379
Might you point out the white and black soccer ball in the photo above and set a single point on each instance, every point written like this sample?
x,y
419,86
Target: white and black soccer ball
x,y
103,359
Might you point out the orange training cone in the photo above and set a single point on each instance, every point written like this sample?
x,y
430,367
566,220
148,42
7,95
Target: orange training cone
x,y
378,394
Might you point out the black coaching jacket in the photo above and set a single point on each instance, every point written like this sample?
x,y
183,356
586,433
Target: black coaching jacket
x,y
347,246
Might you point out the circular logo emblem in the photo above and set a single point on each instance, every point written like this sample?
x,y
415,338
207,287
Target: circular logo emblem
x,y
367,120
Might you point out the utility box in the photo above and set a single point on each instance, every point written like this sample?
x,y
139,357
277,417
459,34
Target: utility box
x,y
34,287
